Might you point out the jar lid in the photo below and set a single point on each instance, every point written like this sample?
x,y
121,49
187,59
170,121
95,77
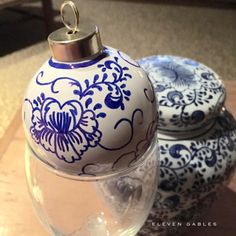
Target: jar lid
x,y
189,93
76,41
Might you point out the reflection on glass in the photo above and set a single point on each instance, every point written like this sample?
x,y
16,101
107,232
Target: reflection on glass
x,y
111,205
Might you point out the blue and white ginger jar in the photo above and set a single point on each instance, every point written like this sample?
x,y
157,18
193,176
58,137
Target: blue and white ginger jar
x,y
197,138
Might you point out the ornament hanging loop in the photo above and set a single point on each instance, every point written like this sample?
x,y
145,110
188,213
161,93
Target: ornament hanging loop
x,y
73,27
76,40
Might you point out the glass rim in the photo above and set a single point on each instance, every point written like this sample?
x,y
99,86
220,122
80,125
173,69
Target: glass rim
x,y
90,178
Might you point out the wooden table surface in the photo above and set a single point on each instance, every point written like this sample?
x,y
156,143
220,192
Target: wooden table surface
x,y
17,217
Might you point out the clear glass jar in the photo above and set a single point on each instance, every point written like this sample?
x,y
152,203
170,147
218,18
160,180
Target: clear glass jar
x,y
114,204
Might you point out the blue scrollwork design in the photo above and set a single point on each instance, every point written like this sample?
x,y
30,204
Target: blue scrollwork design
x,y
150,95
191,89
141,146
131,125
114,83
68,129
184,159
117,87
131,156
128,60
200,155
192,170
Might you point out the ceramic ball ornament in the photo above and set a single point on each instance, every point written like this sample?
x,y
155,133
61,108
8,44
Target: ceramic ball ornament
x,y
90,109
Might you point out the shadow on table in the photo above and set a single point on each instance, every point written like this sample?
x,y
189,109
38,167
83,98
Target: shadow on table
x,y
220,220
21,26
223,212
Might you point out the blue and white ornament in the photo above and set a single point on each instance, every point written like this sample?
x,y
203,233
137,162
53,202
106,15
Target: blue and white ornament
x,y
89,112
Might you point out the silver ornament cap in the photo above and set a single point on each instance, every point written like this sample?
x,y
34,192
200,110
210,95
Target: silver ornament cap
x,y
76,41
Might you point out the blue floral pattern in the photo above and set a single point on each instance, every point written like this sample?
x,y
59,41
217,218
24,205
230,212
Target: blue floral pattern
x,y
69,129
177,74
67,114
189,93
63,128
193,165
191,173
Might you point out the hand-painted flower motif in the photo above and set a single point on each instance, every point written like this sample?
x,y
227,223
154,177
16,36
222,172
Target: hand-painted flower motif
x,y
176,74
189,93
64,129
